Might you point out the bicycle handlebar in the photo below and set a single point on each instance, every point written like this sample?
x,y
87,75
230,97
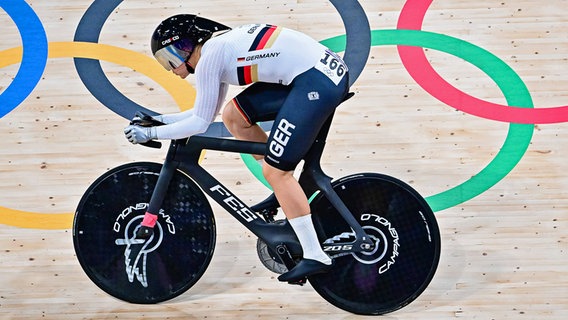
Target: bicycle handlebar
x,y
145,120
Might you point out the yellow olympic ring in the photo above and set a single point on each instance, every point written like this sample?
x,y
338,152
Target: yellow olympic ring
x,y
181,91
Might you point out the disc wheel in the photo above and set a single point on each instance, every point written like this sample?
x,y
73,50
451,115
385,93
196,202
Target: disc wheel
x,y
155,270
407,245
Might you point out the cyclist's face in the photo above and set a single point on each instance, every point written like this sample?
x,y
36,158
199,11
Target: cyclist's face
x,y
188,67
181,71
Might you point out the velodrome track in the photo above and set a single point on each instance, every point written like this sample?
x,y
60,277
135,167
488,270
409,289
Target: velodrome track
x,y
470,109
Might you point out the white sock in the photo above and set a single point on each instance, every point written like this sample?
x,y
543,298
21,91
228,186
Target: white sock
x,y
306,233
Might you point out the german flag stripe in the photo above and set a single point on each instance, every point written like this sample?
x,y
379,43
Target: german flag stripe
x,y
241,74
265,38
247,74
272,38
254,73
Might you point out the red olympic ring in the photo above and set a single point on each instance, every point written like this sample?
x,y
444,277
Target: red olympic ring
x,y
415,61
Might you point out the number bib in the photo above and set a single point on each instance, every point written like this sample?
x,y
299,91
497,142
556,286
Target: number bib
x,y
332,66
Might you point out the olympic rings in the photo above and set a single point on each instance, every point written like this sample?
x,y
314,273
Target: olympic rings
x,y
33,60
412,15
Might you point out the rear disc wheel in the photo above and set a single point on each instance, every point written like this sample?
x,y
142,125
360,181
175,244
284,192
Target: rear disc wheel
x,y
406,252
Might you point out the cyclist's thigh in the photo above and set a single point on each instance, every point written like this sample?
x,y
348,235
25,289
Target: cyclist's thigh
x,y
261,101
312,98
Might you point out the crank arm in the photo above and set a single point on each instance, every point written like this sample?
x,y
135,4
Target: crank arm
x,y
343,248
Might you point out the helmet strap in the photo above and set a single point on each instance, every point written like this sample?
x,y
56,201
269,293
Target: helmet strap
x,y
189,68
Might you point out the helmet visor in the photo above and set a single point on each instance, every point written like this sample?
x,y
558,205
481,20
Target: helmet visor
x,y
174,55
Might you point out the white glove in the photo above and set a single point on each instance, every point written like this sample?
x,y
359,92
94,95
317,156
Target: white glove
x,y
137,134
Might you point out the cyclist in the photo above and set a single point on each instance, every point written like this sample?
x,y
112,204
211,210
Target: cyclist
x,y
294,80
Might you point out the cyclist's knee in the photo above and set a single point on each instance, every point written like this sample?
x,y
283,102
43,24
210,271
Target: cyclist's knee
x,y
228,114
272,174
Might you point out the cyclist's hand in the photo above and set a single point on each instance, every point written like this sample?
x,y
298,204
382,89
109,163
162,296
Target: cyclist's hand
x,y
137,134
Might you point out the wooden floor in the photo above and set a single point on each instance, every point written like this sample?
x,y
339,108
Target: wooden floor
x,y
505,244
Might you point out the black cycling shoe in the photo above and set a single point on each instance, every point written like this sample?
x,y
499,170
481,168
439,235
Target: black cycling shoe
x,y
305,268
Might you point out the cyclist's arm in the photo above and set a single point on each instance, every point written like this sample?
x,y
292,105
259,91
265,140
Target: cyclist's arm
x,y
211,93
178,116
174,117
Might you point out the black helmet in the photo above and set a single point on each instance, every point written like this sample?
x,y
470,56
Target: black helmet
x,y
176,37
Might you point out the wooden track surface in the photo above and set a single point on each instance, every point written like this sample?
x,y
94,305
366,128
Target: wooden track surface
x,y
504,252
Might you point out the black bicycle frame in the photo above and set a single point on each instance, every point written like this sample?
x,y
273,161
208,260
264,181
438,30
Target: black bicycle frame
x,y
184,155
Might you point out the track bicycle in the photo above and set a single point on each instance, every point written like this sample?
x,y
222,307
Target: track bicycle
x,y
381,233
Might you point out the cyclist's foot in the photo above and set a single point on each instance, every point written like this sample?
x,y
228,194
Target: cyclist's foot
x,y
144,232
306,267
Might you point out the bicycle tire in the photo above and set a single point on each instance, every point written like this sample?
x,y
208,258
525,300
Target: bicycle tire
x,y
393,275
165,266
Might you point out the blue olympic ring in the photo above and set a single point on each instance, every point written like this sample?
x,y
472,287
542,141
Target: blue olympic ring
x,y
34,58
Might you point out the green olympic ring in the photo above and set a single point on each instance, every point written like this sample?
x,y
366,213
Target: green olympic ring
x,y
515,91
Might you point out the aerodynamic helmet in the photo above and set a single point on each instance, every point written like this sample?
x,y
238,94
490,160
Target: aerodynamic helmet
x,y
175,38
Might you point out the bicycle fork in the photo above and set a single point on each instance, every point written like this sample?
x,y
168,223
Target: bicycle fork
x,y
362,243
314,179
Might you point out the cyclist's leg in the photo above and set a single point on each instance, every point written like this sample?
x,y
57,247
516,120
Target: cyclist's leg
x,y
312,98
240,128
310,102
259,102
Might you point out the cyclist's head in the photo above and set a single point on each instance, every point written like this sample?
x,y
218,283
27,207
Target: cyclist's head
x,y
175,38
